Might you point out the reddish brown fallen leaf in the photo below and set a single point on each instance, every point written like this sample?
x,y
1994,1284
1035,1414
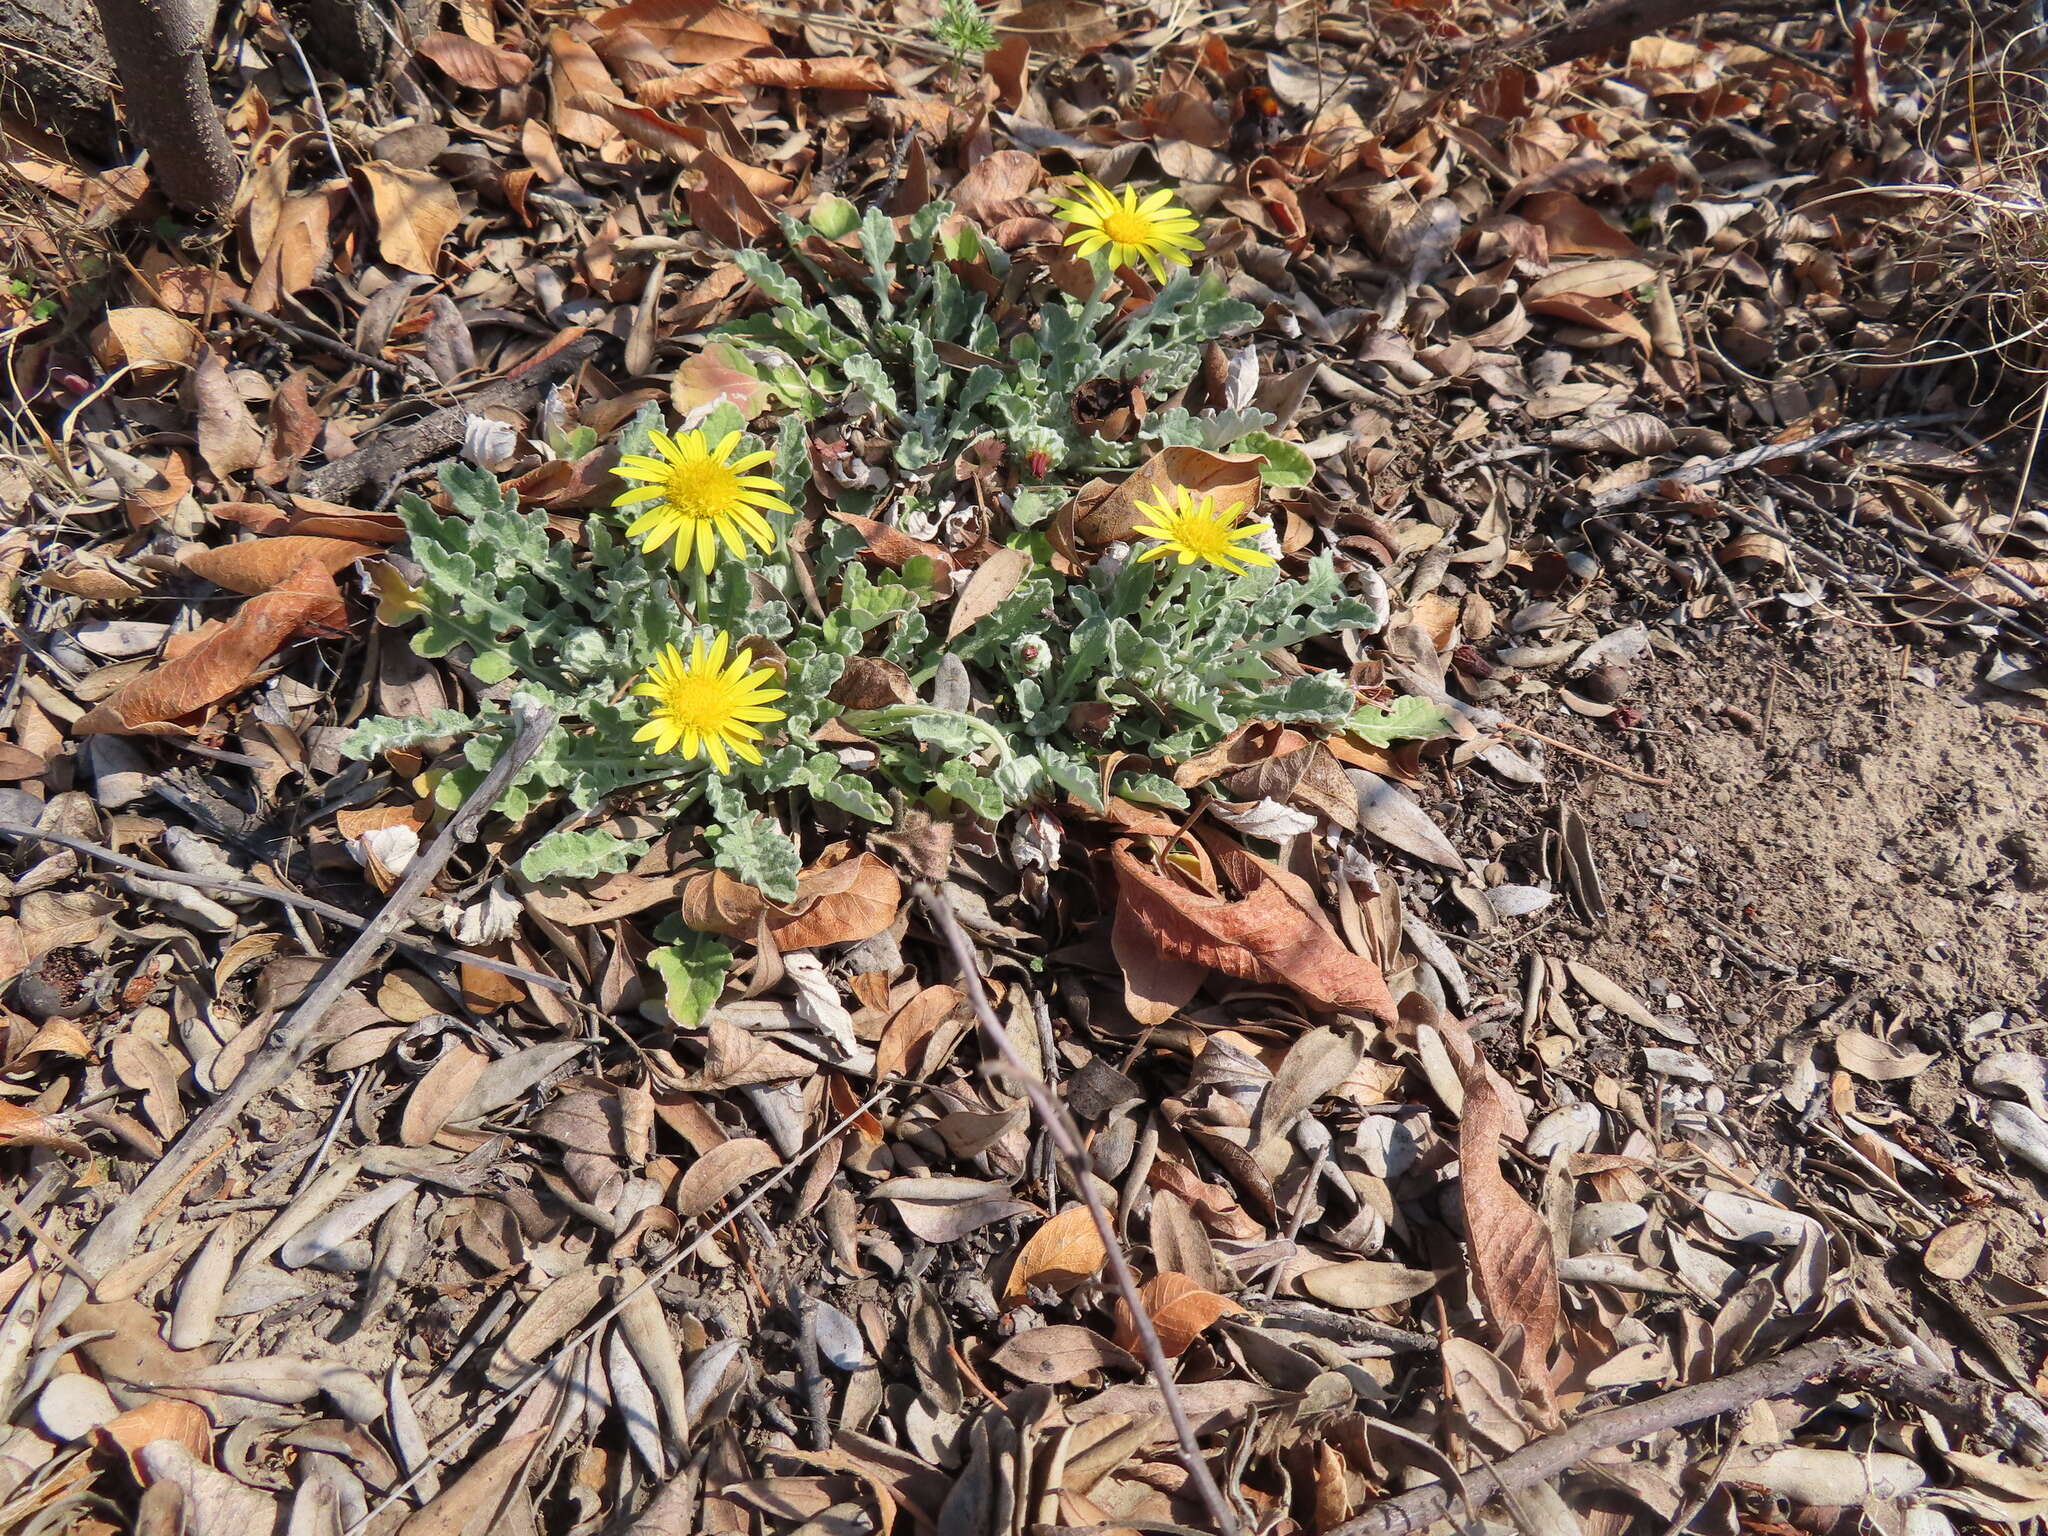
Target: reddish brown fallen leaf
x,y
913,1024
648,129
893,547
170,700
1514,1266
840,900
162,1418
474,65
1232,478
1595,314
1574,227
997,186
294,428
26,1128
578,74
262,565
1275,933
1063,1252
690,31
1179,1308
726,81
725,202
714,902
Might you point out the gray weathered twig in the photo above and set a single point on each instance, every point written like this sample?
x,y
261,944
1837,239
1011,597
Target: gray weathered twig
x,y
114,1238
1749,458
1536,1463
1068,1141
261,892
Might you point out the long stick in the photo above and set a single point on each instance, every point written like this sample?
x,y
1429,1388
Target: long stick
x,y
1546,1458
114,1238
1068,1141
1749,458
261,892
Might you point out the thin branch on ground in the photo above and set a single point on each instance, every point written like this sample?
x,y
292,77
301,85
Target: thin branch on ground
x,y
1544,1459
257,891
1763,453
1068,1141
290,1041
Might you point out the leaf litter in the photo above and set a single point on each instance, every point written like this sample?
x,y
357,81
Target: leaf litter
x,y
651,1201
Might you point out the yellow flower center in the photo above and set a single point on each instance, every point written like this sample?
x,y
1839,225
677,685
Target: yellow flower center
x,y
701,488
700,702
1127,228
1206,537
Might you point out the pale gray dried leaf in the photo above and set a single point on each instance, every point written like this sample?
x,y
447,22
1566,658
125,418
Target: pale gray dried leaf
x,y
1619,1271
644,1326
839,1339
633,1402
1517,900
949,1223
1637,435
1391,816
1682,1065
74,1405
2022,1132
1363,1284
202,1288
215,1504
548,1319
1059,1354
2014,1074
1878,1061
721,1171
1486,1392
1745,1219
1814,1475
510,1078
1316,1064
1613,996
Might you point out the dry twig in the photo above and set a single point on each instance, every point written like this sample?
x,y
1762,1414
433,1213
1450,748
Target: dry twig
x,y
1068,1141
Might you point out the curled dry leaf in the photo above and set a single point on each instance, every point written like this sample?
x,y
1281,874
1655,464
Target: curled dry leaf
x,y
1514,1265
1063,1252
993,580
1062,1353
474,65
726,81
1179,1308
436,1097
170,700
1232,478
151,341
689,31
229,439
842,899
256,566
1275,933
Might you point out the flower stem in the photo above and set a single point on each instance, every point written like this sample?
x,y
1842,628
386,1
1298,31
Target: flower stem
x,y
700,591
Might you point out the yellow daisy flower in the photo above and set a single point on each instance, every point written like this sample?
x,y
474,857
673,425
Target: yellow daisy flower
x,y
1195,528
697,495
1130,230
708,705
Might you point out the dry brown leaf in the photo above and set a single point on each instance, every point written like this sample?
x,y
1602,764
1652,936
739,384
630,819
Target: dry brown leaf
x,y
416,210
162,1418
892,546
1364,1285
578,73
1508,1245
999,187
1953,1253
725,199
28,1128
993,580
294,428
1275,933
229,439
721,1171
472,64
1067,28
146,339
841,899
476,1502
1059,1354
436,1097
1232,478
1179,1308
727,80
1573,227
169,700
911,1026
1593,280
263,565
1064,1251
690,31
